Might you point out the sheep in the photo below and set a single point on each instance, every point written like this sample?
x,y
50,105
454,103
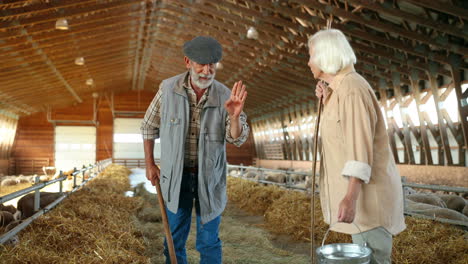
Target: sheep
x,y
296,178
427,199
409,190
15,239
234,173
250,174
6,218
26,203
275,177
9,182
453,202
26,179
8,208
445,213
416,207
465,210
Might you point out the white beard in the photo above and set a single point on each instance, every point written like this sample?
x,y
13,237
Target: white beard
x,y
195,77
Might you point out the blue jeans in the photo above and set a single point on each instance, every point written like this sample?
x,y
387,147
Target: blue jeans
x,y
208,242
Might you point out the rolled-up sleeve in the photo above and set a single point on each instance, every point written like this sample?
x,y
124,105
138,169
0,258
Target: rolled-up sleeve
x,y
244,134
152,120
357,118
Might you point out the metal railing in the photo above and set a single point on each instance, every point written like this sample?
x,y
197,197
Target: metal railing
x,y
290,185
93,172
133,163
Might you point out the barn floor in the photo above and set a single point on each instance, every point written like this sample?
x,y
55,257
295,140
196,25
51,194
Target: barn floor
x,y
244,239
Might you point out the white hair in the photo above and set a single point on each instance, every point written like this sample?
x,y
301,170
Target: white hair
x,y
332,51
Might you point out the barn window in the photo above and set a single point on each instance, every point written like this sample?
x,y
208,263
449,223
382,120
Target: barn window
x,y
413,113
430,108
397,115
450,104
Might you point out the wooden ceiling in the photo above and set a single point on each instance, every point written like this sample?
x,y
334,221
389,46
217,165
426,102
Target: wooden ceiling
x,y
133,45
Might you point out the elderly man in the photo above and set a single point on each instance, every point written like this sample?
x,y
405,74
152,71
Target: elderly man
x,y
194,115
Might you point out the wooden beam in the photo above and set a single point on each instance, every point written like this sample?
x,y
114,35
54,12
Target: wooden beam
x,y
426,154
385,8
396,57
383,27
462,102
441,7
442,128
403,114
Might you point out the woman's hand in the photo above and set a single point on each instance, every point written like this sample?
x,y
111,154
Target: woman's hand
x,y
321,89
347,210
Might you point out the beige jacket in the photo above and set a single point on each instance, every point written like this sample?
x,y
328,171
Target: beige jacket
x,y
355,144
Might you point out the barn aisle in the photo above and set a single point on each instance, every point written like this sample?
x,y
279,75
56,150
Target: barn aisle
x,y
244,239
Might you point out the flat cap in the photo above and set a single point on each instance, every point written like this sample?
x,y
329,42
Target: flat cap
x,y
203,50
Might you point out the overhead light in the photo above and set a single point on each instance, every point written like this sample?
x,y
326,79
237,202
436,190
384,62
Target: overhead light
x,y
219,66
79,61
61,24
89,81
95,95
252,33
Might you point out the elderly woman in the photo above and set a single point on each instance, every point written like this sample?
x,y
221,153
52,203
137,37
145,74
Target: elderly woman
x,y
359,180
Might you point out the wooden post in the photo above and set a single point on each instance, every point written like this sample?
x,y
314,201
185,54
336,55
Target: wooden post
x,y
390,131
426,148
409,155
462,104
432,73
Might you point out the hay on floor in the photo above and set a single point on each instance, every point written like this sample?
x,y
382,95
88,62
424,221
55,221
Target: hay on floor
x,y
288,212
93,225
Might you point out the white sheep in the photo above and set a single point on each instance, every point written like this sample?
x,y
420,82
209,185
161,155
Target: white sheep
x,y
275,177
9,182
427,198
453,202
409,190
445,213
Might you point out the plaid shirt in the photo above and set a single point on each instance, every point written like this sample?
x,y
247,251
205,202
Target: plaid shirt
x,y
152,119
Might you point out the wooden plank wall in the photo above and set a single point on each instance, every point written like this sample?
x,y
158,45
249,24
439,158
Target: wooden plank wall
x,y
104,131
8,124
243,154
35,135
34,140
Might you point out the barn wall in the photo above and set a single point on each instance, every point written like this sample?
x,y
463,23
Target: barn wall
x,y
424,174
34,145
35,135
242,155
104,131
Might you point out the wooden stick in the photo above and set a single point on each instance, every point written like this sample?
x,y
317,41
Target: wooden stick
x,y
167,230
314,165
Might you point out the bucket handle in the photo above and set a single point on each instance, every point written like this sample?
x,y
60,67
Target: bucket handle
x,y
328,231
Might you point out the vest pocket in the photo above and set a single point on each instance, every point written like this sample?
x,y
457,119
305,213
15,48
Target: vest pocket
x,y
165,182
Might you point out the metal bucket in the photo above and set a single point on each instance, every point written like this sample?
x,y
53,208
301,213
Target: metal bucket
x,y
343,253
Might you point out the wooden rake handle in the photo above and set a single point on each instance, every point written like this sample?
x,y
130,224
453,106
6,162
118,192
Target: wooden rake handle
x,y
314,165
167,229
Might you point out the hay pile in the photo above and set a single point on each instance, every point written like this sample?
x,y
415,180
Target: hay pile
x,y
251,197
4,190
288,212
93,225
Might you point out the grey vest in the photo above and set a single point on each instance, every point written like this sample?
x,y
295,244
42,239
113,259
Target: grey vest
x,y
211,146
